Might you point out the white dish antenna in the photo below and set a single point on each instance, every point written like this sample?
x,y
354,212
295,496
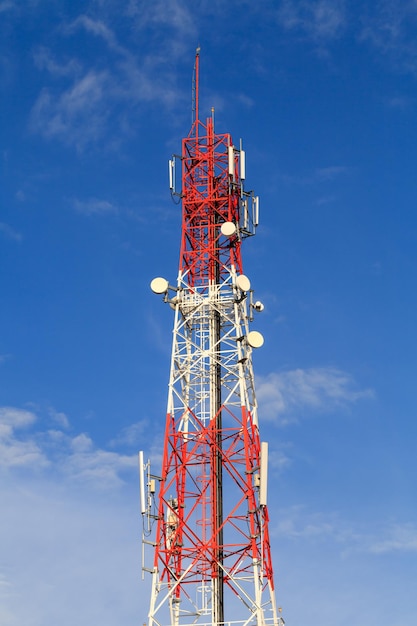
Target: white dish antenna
x,y
243,282
255,339
228,229
159,285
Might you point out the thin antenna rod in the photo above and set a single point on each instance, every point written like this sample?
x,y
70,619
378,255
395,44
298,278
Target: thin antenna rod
x,y
195,87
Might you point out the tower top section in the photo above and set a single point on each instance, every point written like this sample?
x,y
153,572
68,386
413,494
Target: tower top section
x,y
217,211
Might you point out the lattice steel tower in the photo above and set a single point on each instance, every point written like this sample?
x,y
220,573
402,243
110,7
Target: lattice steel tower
x,y
205,517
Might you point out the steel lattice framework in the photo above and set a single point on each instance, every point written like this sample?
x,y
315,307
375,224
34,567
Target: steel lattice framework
x,y
210,542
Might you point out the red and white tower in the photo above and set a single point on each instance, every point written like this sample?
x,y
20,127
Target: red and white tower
x,y
205,517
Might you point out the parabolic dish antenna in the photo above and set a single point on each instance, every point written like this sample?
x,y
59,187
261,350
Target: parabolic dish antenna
x,y
159,285
243,282
228,229
255,339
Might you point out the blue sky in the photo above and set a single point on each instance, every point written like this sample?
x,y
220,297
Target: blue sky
x,y
96,96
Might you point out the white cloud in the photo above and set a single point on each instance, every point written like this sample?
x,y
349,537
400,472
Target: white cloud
x,y
401,103
246,100
344,537
79,114
45,61
172,13
319,175
390,29
16,418
325,200
6,5
81,461
18,451
76,116
59,418
85,93
398,538
277,459
68,556
94,206
9,232
131,435
296,522
284,396
64,538
360,536
74,458
81,444
97,28
319,19
331,172
68,530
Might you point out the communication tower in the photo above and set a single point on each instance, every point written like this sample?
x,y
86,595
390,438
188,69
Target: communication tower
x,y
205,517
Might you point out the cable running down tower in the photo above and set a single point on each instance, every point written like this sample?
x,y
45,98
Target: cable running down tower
x,y
205,517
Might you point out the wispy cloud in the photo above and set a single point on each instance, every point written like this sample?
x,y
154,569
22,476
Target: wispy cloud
x,y
331,172
94,206
352,537
325,200
319,175
60,544
18,451
99,29
61,503
401,103
297,522
284,396
82,462
131,435
390,28
170,13
44,60
79,114
10,232
398,538
59,418
6,5
320,20
74,458
278,460
246,100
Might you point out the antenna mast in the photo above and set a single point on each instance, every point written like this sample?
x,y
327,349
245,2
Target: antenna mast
x,y
207,514
194,117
